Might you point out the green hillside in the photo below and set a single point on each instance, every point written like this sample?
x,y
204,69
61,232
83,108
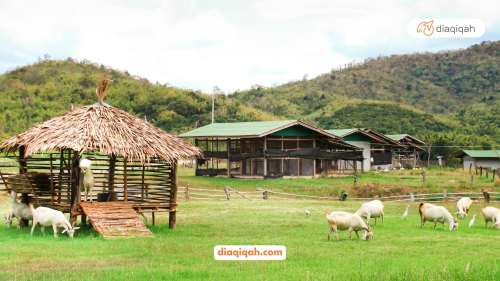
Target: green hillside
x,y
448,97
38,92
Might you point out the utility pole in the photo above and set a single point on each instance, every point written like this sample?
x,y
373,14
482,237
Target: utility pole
x,y
214,92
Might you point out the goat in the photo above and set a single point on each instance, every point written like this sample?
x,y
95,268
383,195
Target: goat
x,y
491,214
50,217
372,209
8,220
87,181
430,212
463,206
347,221
19,210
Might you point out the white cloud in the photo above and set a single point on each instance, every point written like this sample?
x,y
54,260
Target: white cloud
x,y
233,45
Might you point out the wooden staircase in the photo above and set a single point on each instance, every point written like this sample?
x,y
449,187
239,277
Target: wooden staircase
x,y
115,220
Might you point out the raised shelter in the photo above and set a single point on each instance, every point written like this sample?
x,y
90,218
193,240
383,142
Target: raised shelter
x,y
270,149
131,159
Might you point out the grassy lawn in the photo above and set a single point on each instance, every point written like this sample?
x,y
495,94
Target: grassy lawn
x,y
382,184
401,250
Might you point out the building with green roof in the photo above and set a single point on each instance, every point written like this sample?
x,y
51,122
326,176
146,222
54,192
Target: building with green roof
x,y
480,158
410,154
269,148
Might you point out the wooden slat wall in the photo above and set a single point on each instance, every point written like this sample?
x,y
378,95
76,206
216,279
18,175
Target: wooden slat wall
x,y
148,186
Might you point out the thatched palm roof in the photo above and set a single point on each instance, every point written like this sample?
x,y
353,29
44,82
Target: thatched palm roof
x,y
104,129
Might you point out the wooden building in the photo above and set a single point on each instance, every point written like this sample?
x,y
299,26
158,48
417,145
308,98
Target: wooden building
x,y
377,148
270,148
410,153
130,157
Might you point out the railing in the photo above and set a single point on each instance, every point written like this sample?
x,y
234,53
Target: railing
x,y
188,193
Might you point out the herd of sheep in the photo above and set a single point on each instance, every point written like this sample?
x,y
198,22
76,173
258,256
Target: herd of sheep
x,y
340,220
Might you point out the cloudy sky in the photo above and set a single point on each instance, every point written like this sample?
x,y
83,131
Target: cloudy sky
x,y
231,44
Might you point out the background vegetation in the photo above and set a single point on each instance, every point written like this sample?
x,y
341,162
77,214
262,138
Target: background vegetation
x,y
446,98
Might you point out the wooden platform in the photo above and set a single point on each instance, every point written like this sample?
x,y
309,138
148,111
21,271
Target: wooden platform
x,y
115,219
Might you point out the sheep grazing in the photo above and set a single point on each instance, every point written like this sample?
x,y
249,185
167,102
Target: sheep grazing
x,y
463,206
87,181
49,217
372,209
19,210
430,212
492,214
347,221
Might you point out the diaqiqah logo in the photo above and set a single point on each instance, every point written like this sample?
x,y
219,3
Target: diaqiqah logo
x,y
426,28
453,28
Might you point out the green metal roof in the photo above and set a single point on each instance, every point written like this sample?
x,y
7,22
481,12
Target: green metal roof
x,y
238,129
341,132
482,153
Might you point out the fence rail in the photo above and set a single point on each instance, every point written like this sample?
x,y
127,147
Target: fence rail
x,y
229,193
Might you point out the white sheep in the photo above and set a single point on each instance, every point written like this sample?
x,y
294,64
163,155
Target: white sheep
x,y
433,213
463,206
372,209
19,210
346,221
491,214
49,217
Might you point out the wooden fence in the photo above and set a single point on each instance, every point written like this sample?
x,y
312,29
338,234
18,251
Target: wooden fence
x,y
188,193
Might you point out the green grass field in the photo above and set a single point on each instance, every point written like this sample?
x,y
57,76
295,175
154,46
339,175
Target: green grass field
x,y
384,184
401,250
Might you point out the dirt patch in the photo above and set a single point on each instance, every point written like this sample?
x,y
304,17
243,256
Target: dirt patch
x,y
370,190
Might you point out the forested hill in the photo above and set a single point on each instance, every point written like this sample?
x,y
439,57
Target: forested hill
x,y
447,98
47,88
460,85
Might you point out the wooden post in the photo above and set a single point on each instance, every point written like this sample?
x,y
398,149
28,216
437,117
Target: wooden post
x,y
154,219
265,158
470,168
494,172
111,174
424,179
314,160
196,158
22,165
228,158
228,196
265,195
187,192
84,220
412,198
472,180
481,171
173,197
476,170
487,172
445,196
75,186
125,187
51,180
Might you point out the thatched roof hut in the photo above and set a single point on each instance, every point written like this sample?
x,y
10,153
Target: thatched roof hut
x,y
104,129
132,159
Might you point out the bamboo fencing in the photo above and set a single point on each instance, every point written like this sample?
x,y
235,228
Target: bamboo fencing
x,y
187,193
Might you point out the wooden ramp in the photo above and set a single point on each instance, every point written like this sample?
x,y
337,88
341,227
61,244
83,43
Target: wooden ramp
x,y
115,219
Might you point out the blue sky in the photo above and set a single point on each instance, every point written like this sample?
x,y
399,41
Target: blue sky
x,y
230,44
